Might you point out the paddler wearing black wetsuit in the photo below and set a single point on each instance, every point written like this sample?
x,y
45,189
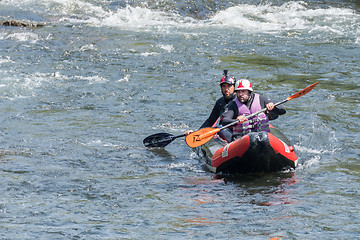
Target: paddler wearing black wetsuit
x,y
227,85
221,104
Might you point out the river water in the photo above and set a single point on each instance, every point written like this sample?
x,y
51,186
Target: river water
x,y
78,96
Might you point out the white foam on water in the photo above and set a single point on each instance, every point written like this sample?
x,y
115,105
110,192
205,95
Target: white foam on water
x,y
20,86
310,150
58,75
313,161
5,59
261,18
13,89
168,48
29,82
146,54
58,7
125,79
317,146
88,47
93,79
23,37
98,15
357,40
99,143
289,16
143,19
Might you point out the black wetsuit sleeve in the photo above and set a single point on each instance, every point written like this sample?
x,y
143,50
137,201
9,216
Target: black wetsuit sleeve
x,y
230,115
214,115
274,114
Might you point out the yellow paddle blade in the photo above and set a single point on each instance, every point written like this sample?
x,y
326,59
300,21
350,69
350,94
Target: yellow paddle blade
x,y
302,92
200,137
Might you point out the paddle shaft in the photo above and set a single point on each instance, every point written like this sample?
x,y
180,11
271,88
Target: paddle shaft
x,y
179,136
168,139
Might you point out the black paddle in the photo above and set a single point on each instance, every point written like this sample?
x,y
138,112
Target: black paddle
x,y
160,139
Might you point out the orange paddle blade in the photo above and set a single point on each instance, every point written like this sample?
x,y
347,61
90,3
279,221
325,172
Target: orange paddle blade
x,y
302,92
201,136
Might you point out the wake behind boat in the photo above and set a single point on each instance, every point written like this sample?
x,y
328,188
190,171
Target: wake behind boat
x,y
254,152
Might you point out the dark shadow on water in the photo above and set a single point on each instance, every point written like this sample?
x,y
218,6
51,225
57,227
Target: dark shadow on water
x,y
264,189
252,179
161,153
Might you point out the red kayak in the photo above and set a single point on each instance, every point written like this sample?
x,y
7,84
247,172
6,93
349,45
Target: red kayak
x,y
254,152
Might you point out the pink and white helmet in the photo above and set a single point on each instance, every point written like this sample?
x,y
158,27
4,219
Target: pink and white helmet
x,y
227,79
243,84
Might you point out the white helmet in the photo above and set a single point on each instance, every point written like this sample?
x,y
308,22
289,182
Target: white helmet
x,y
243,84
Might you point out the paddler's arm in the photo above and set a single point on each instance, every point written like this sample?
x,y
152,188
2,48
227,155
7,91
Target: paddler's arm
x,y
230,114
275,112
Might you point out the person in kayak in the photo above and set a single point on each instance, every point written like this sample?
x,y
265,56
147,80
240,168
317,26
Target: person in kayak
x,y
245,103
227,86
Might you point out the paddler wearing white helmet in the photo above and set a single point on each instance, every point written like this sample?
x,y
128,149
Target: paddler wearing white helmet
x,y
246,103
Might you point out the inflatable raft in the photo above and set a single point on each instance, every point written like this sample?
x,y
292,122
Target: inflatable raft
x,y
254,152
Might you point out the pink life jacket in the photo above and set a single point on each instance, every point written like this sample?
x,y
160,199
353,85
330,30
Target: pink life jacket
x,y
256,124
